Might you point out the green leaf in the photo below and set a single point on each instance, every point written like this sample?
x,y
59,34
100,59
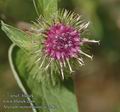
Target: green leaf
x,y
17,36
17,77
58,98
45,7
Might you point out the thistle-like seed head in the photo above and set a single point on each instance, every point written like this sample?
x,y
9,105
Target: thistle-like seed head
x,y
62,40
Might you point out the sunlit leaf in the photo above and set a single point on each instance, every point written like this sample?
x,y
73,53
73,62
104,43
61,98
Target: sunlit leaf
x,y
17,36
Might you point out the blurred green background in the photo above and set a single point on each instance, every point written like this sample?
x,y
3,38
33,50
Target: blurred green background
x,y
98,83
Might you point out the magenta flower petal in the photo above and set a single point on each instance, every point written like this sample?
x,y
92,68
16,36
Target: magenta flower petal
x,y
62,41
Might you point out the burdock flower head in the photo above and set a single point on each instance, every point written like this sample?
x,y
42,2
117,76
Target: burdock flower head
x,y
62,40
